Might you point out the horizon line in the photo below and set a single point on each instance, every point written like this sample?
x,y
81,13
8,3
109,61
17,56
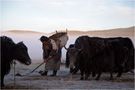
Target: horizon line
x,y
62,30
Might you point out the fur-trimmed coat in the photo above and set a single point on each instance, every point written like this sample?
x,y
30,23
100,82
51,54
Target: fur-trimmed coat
x,y
53,59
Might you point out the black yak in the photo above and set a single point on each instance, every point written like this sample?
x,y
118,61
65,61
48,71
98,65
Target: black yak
x,y
99,55
67,58
11,51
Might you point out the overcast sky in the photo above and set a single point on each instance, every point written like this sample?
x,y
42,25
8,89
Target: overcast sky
x,y
51,15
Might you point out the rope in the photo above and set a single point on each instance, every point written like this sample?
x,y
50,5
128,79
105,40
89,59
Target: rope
x,y
14,73
36,67
32,70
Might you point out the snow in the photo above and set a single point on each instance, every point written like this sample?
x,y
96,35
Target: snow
x,y
64,80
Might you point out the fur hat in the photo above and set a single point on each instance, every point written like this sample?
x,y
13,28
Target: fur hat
x,y
44,38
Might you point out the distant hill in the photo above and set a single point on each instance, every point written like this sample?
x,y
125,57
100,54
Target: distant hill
x,y
23,32
111,32
128,32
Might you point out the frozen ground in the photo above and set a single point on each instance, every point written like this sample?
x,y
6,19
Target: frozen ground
x,y
64,80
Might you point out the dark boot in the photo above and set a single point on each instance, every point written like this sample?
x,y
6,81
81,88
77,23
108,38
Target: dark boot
x,y
44,73
54,73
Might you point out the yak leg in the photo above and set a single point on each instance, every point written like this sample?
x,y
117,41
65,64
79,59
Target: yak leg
x,y
86,76
2,81
76,69
99,74
93,74
87,73
120,72
71,70
82,74
111,75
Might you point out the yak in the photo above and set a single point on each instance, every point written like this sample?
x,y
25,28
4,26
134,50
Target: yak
x,y
99,55
11,51
67,58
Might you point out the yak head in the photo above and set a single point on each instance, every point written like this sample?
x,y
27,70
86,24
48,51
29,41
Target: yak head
x,y
21,53
67,56
73,54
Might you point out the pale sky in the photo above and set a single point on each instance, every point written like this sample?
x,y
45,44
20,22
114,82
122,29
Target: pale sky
x,y
50,15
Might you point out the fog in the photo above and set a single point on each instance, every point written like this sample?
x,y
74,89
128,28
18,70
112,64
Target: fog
x,y
31,40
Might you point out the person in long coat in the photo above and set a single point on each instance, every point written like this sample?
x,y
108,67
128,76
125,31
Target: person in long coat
x,y
52,47
51,55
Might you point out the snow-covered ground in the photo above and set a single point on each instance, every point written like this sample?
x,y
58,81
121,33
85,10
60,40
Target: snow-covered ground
x,y
64,80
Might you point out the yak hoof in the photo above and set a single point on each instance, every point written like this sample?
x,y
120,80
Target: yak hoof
x,y
93,75
2,86
97,79
81,78
111,78
118,75
86,78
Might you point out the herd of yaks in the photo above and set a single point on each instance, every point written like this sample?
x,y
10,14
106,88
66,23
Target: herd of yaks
x,y
90,55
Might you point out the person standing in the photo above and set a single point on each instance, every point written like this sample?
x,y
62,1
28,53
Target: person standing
x,y
51,55
52,47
